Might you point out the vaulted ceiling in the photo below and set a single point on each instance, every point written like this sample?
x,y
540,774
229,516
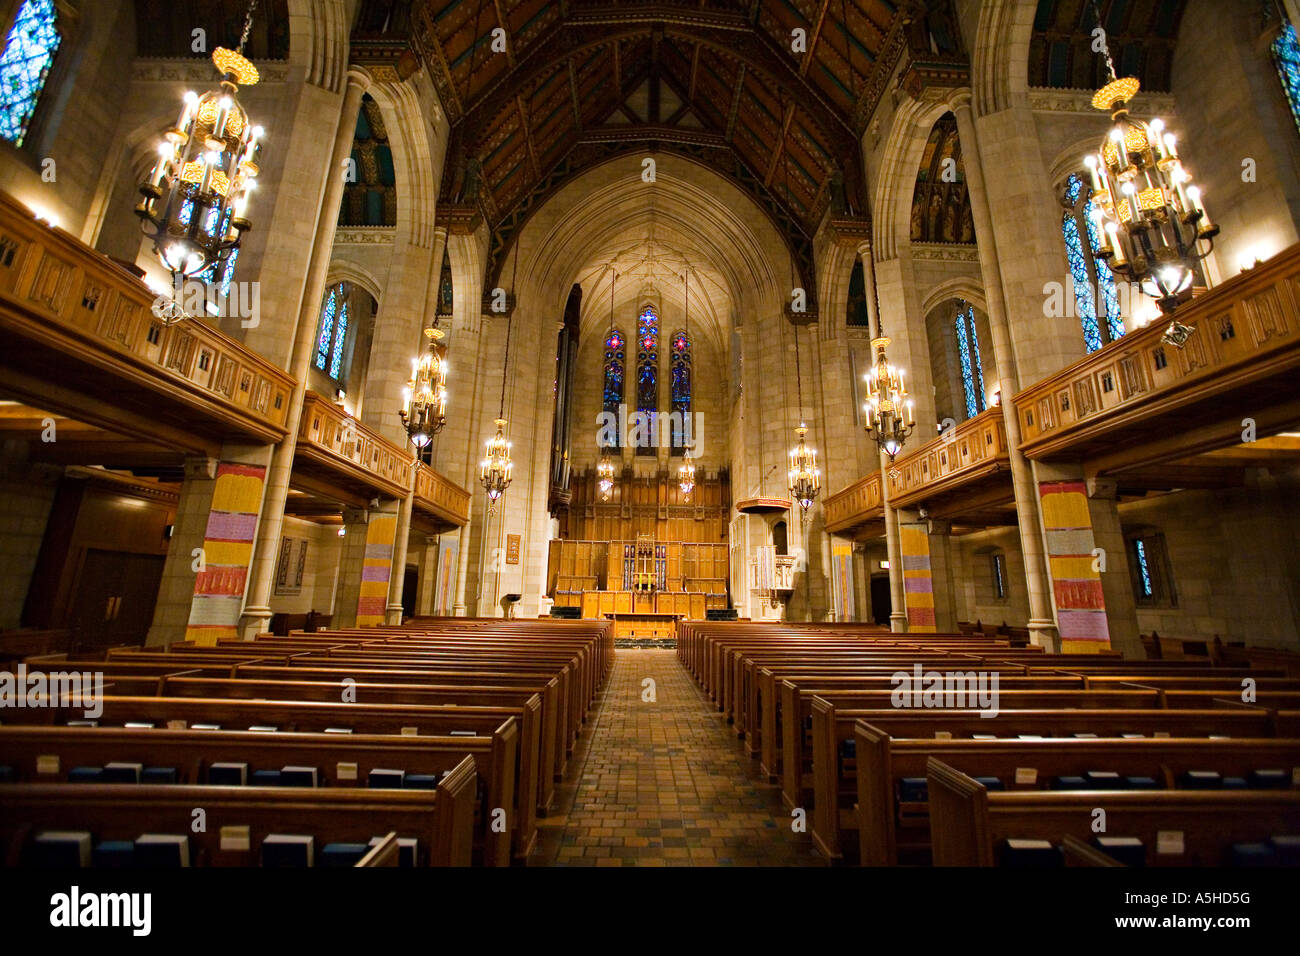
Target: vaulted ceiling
x,y
1140,34
581,81
165,28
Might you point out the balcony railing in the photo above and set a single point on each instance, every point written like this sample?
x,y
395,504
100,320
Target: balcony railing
x,y
440,497
77,324
970,452
858,504
349,452
1241,359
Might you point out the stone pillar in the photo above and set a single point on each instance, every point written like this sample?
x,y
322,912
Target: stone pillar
x,y
429,572
352,557
401,540
206,568
257,610
1042,625
943,575
897,592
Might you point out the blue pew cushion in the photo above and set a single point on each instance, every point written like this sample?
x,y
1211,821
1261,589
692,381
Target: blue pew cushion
x,y
86,775
1141,783
1252,854
264,778
421,781
1235,783
159,775
1200,780
1270,779
120,772
7,774
1104,779
1287,848
913,790
298,777
1069,783
991,783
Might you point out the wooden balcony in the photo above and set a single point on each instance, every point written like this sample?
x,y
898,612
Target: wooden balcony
x,y
962,475
338,457
1138,402
446,502
81,340
858,510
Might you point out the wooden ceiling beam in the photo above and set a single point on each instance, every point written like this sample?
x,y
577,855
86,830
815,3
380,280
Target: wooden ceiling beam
x,y
780,144
526,127
735,103
813,38
573,95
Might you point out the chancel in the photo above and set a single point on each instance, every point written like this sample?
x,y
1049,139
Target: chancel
x,y
702,432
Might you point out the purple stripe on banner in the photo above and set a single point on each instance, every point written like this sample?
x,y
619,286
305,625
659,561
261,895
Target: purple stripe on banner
x,y
231,526
1083,625
916,562
918,585
380,552
375,572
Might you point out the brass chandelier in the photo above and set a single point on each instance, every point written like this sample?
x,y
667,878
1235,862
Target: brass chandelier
x,y
195,204
1146,202
888,410
424,412
605,467
805,478
496,466
686,471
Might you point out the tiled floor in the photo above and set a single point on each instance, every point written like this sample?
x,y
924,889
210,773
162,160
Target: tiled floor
x,y
665,782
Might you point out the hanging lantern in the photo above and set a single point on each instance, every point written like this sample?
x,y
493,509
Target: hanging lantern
x,y
195,204
1145,202
425,410
494,470
605,476
805,478
888,409
686,478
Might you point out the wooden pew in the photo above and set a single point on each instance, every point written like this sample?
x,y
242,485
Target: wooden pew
x,y
441,820
967,822
46,754
883,760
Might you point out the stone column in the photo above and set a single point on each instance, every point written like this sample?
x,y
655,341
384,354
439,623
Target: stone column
x,y
429,570
397,572
206,569
352,557
1042,624
257,610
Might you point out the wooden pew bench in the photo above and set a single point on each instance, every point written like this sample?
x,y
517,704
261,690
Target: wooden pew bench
x,y
892,814
969,826
52,754
238,820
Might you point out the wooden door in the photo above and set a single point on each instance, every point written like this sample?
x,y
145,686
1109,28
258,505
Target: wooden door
x,y
116,593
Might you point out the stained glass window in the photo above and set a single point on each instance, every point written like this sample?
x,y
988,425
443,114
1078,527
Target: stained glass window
x,y
25,66
1286,56
968,354
615,363
1089,274
333,333
681,384
1144,570
647,366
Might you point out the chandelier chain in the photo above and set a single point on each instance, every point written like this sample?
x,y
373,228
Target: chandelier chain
x,y
248,26
510,316
1105,46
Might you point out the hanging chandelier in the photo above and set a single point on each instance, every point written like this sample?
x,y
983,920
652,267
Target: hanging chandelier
x,y
888,409
195,204
425,410
686,471
605,476
494,470
605,468
805,480
1145,201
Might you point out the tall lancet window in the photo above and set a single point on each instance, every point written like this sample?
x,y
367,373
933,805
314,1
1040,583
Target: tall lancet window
x,y
1286,56
333,332
25,66
615,366
681,385
647,368
968,354
1101,321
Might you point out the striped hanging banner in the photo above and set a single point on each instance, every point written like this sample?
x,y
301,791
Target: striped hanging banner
x,y
918,587
1076,584
372,603
227,550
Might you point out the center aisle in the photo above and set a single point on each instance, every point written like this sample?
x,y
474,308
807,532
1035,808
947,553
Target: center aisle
x,y
663,781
